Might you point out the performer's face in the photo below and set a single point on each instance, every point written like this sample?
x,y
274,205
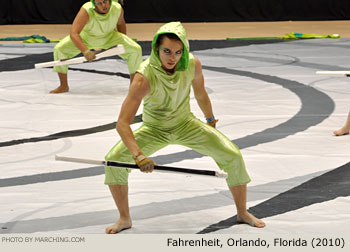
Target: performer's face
x,y
102,6
170,52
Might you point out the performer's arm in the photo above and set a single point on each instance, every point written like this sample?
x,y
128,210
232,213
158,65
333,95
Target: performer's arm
x,y
200,93
78,24
121,25
138,89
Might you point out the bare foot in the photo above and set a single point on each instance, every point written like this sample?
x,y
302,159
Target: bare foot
x,y
119,226
251,220
60,89
341,132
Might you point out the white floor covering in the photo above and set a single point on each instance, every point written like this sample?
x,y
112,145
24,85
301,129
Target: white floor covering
x,y
44,199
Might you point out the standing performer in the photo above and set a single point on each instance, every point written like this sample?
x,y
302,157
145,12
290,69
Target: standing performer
x,y
345,129
99,24
163,82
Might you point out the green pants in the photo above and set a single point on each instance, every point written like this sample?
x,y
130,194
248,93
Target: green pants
x,y
192,133
66,49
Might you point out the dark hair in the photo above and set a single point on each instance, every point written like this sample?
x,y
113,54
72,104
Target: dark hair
x,y
168,35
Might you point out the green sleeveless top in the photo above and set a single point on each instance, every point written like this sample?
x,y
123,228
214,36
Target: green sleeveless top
x,y
100,27
168,102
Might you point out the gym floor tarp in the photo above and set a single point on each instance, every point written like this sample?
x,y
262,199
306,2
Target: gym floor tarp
x,y
268,100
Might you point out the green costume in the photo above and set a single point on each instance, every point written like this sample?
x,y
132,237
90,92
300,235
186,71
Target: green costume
x,y
167,118
100,32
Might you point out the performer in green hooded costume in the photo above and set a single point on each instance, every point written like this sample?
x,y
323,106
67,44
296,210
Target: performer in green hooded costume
x,y
99,24
164,82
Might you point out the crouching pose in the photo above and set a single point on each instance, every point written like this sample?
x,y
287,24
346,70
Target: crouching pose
x,y
99,24
164,82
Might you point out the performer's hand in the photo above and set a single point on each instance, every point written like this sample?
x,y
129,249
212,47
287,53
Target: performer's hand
x,y
146,164
213,123
89,55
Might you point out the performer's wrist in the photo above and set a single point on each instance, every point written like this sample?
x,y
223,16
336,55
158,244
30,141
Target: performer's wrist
x,y
138,154
210,119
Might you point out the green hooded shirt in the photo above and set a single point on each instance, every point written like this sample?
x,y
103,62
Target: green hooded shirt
x,y
168,103
100,27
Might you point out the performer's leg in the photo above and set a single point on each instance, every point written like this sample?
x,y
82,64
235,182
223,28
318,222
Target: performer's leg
x,y
149,141
131,77
239,194
63,87
65,49
204,139
133,51
345,129
120,196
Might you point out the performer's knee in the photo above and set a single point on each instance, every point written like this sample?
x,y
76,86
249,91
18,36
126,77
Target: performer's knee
x,y
235,168
116,176
58,49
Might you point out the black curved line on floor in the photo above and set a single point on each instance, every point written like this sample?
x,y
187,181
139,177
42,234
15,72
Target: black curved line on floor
x,y
127,76
316,106
28,61
52,176
326,187
323,186
328,180
295,62
70,133
25,62
268,59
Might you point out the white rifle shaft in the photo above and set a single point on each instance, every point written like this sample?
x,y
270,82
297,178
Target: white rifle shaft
x,y
110,52
334,73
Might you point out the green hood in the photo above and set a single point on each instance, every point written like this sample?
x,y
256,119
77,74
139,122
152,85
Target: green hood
x,y
93,2
177,29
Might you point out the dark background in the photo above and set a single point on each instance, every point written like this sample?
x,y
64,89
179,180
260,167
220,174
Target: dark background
x,y
144,11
